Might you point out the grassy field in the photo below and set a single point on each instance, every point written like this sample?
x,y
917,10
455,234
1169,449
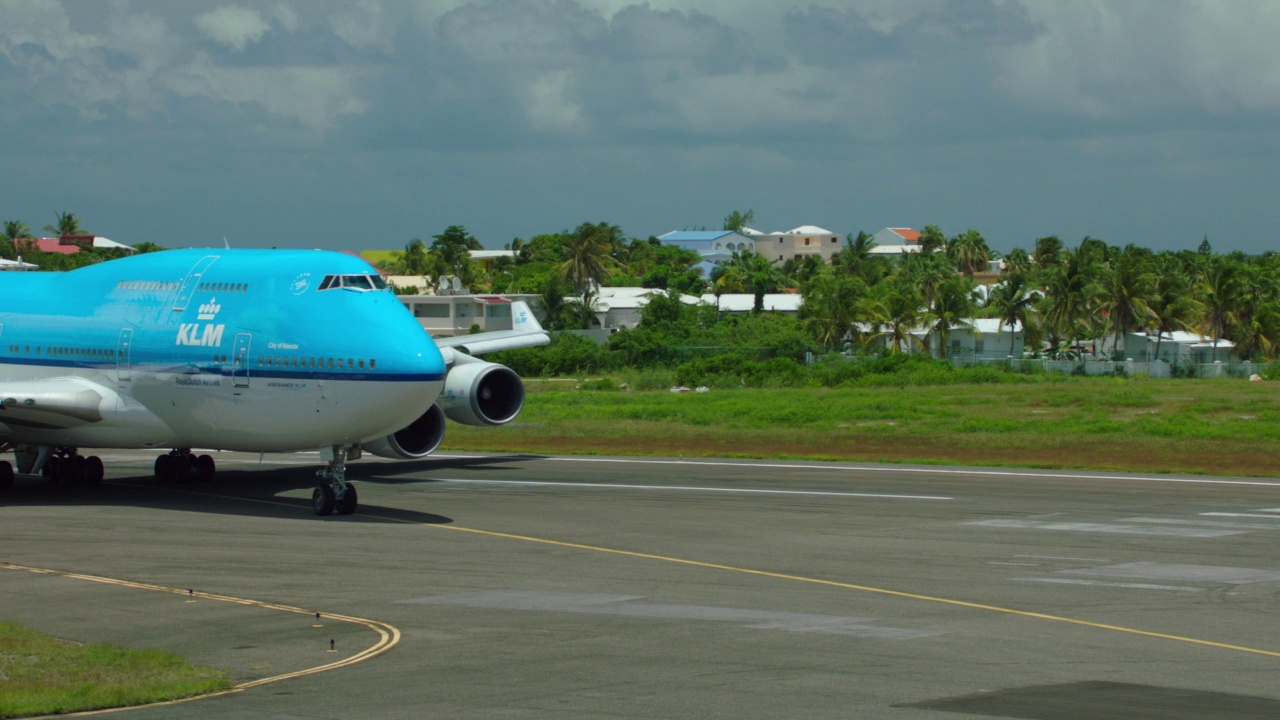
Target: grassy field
x,y
1227,426
42,675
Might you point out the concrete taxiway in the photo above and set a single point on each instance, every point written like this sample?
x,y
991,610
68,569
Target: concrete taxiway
x,y
495,586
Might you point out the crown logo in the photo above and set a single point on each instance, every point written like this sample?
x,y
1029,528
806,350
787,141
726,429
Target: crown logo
x,y
209,310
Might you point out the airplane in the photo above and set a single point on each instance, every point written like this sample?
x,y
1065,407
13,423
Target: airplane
x,y
249,350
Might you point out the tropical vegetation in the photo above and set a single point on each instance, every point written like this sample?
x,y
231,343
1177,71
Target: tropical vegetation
x,y
859,302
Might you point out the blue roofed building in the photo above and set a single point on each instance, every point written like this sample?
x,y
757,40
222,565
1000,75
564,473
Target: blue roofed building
x,y
713,245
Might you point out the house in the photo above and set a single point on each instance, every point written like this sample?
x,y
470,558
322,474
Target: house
x,y
712,245
797,243
973,339
744,302
450,315
618,308
896,241
985,339
1177,346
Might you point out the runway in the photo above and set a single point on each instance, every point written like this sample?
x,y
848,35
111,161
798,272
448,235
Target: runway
x,y
638,588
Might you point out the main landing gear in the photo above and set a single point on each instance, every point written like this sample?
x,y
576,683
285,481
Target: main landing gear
x,y
66,466
181,465
338,495
58,465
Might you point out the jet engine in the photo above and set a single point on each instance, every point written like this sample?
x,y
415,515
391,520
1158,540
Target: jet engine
x,y
481,393
418,440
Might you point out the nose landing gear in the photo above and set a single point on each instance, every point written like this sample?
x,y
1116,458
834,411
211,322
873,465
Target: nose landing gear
x,y
337,495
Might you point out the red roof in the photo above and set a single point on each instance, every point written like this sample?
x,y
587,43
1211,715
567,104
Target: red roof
x,y
70,245
907,234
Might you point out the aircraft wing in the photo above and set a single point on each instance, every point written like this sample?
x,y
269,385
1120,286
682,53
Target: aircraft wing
x,y
525,332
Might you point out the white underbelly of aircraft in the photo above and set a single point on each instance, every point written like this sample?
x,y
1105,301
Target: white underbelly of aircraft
x,y
280,415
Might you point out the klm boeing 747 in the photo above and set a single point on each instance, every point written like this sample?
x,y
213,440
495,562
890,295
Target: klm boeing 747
x,y
248,350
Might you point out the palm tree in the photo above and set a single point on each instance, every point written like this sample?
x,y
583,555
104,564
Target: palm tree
x,y
736,221
590,257
414,259
1171,303
727,277
760,276
68,224
952,302
1048,251
1124,291
1070,288
932,240
969,252
830,305
1219,292
1013,302
894,308
14,230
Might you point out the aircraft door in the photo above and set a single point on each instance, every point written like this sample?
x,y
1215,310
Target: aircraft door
x,y
192,282
123,362
240,360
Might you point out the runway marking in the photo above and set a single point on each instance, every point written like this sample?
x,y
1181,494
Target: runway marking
x,y
388,635
691,488
634,606
802,579
1015,524
1244,515
1102,583
1071,559
894,469
1204,523
848,586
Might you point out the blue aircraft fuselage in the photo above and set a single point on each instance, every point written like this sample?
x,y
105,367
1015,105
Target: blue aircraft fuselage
x,y
255,350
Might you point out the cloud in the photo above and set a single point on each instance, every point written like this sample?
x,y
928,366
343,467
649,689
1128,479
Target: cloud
x,y
232,26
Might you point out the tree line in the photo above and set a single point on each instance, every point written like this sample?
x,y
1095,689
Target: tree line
x,y
1059,295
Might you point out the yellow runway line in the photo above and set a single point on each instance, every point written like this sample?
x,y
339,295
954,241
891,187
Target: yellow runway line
x,y
388,635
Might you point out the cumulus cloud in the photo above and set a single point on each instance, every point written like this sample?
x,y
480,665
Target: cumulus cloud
x,y
232,26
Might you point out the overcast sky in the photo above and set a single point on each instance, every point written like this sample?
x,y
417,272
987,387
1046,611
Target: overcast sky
x,y
363,124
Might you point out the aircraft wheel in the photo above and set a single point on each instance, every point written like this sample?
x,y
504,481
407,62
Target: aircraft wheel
x,y
51,470
162,468
6,476
347,503
73,469
94,472
206,470
323,500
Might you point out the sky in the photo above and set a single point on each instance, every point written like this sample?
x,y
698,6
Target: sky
x,y
363,124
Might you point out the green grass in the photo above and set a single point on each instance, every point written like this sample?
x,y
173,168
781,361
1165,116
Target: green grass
x,y
1223,426
42,675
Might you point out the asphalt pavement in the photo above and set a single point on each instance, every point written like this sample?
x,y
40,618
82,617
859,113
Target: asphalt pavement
x,y
486,586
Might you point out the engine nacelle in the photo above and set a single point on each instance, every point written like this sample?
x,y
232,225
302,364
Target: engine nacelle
x,y
418,440
481,393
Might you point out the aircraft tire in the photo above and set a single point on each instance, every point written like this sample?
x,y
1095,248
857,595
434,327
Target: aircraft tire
x,y
323,500
206,470
50,471
94,472
6,476
162,468
347,503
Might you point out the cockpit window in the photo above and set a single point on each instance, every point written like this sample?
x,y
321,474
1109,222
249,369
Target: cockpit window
x,y
354,282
